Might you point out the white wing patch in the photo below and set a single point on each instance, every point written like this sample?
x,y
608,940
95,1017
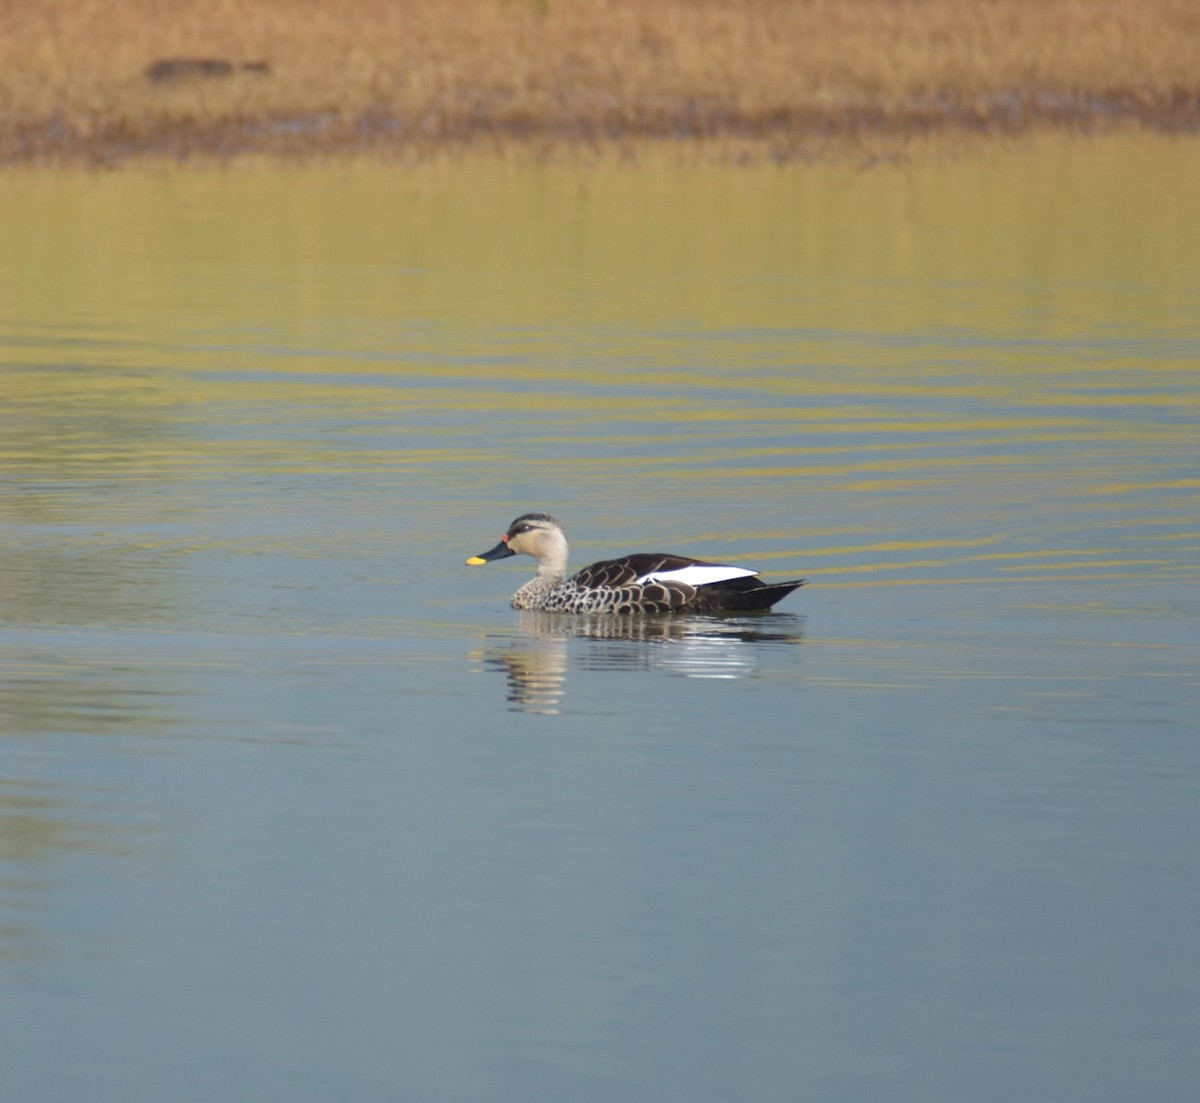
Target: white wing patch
x,y
698,574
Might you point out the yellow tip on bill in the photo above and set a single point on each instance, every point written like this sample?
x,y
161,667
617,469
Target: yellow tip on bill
x,y
475,561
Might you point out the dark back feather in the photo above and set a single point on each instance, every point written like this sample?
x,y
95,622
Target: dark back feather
x,y
629,568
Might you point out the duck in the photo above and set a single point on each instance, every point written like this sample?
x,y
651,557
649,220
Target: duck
x,y
644,582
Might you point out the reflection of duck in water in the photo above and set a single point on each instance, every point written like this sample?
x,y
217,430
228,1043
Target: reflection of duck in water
x,y
537,660
640,583
536,672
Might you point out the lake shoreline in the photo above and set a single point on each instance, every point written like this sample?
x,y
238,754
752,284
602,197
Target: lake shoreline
x,y
782,136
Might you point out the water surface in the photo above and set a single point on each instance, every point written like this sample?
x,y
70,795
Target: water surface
x,y
293,806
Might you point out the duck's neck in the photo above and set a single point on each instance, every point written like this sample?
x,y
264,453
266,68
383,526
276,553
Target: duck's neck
x,y
551,571
552,560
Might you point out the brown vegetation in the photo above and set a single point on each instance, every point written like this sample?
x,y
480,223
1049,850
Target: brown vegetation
x,y
104,80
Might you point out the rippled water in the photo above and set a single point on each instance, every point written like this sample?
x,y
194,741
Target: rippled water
x,y
293,805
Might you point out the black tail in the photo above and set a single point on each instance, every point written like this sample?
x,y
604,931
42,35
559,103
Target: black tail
x,y
742,595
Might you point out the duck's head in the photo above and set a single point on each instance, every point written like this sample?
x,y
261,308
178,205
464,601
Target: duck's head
x,y
535,534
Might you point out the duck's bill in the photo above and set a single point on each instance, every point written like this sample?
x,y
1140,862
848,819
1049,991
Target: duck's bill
x,y
500,551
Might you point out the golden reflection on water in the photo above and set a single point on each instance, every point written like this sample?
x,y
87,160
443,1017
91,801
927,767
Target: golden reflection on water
x,y
1002,343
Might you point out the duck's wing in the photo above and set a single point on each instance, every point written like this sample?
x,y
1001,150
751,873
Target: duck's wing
x,y
647,567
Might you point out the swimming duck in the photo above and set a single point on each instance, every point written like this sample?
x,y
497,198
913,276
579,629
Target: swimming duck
x,y
645,582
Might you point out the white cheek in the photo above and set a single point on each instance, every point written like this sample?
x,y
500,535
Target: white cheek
x,y
700,574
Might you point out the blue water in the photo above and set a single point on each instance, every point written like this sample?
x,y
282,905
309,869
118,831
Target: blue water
x,y
294,807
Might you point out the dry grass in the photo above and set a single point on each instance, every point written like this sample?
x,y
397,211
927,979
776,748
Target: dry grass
x,y
400,75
